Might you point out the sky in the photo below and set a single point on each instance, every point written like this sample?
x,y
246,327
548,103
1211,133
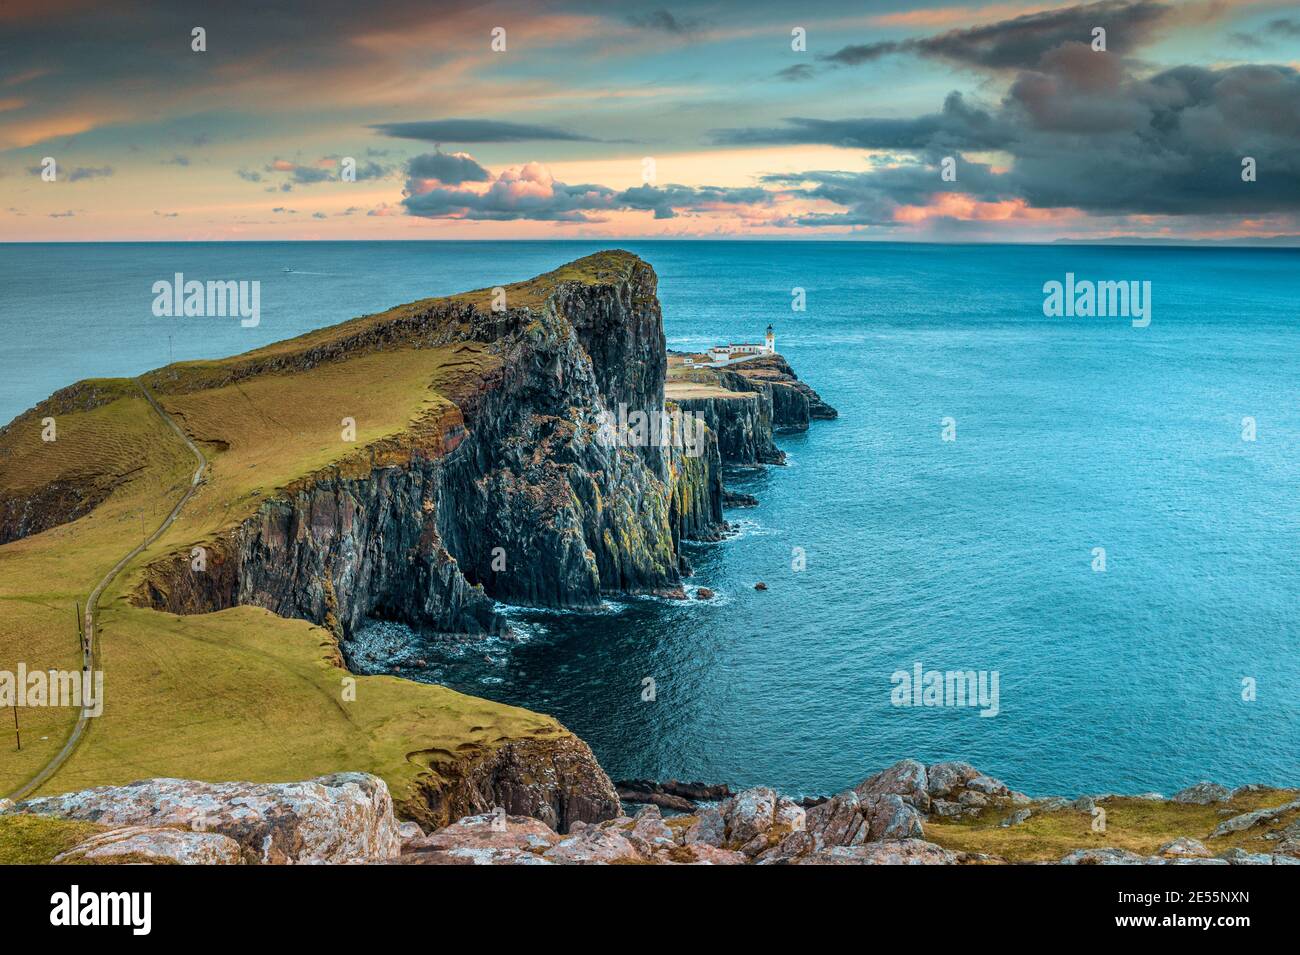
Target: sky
x,y
425,119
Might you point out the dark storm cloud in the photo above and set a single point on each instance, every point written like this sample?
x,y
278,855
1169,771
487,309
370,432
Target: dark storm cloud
x,y
477,131
800,71
662,21
1104,142
451,169
1020,43
959,125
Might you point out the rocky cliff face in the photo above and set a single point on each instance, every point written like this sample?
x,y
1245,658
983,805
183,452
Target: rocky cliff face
x,y
794,403
512,496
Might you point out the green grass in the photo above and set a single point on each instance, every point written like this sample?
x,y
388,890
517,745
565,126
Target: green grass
x,y
1139,825
36,840
239,694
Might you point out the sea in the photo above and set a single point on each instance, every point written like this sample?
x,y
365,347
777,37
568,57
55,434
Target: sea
x,y
1100,519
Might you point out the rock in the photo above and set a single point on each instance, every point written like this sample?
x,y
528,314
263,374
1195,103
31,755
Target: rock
x,y
345,817
760,586
596,845
709,829
945,779
906,778
699,853
737,499
1104,856
665,800
1016,818
471,855
891,818
1237,856
1084,804
987,785
6,805
838,821
749,814
555,780
791,847
973,799
704,593
409,831
648,832
157,845
1248,820
946,809
906,852
1202,794
488,831
1150,797
1184,848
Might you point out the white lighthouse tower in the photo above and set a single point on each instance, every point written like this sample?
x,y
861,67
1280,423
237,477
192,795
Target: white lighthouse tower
x,y
771,341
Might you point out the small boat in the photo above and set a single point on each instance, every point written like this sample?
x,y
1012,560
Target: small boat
x,y
288,269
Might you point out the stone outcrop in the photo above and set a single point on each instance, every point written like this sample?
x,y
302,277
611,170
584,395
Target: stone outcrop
x,y
156,846
794,403
516,467
557,782
346,817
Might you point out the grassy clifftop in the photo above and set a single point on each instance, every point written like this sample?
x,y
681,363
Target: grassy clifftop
x,y
241,693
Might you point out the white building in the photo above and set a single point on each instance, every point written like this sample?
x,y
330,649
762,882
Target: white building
x,y
736,351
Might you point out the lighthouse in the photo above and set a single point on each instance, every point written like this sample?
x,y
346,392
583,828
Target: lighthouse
x,y
771,341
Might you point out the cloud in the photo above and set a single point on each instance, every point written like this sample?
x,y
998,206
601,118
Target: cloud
x,y
319,215
531,192
477,131
800,71
958,125
1021,42
249,175
177,160
62,215
449,168
1102,142
662,21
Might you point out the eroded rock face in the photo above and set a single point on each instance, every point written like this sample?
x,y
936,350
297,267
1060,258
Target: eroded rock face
x,y
1248,820
557,781
346,817
145,844
518,463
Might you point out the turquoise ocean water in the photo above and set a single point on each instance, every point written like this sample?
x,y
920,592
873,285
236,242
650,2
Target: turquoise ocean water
x,y
975,554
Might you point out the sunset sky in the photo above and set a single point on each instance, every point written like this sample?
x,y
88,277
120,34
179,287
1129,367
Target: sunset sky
x,y
550,137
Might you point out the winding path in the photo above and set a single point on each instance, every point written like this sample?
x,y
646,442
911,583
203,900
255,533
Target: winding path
x,y
92,603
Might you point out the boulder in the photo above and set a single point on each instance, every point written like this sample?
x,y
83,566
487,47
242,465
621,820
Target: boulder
x,y
945,779
649,832
704,593
488,831
345,817
597,845
906,778
838,821
1184,848
1016,818
709,829
906,852
1248,820
156,845
891,818
1203,794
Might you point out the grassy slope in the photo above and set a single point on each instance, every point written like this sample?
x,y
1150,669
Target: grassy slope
x,y
1139,825
240,694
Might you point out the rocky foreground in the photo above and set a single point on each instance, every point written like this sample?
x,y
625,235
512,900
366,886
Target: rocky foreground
x,y
900,816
